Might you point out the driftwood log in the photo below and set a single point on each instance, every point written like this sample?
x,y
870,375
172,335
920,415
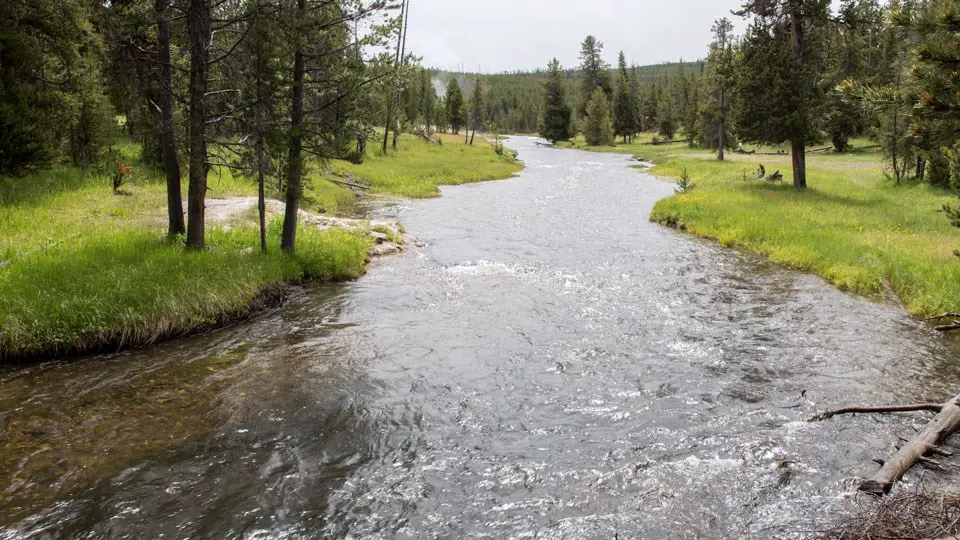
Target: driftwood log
x,y
953,325
349,184
426,137
917,449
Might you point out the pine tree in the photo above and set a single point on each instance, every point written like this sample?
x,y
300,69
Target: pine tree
x,y
719,85
598,125
555,125
639,120
477,107
624,110
52,99
777,79
168,130
428,99
440,116
666,117
456,112
594,72
935,96
199,15
691,109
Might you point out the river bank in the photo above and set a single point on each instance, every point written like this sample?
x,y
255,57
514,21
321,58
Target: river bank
x,y
532,372
852,226
87,270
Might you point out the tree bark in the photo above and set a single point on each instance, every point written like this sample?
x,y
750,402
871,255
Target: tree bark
x,y
799,155
403,61
942,426
798,144
168,141
295,167
261,196
391,93
263,110
198,21
723,128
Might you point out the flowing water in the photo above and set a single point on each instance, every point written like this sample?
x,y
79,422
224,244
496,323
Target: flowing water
x,y
551,365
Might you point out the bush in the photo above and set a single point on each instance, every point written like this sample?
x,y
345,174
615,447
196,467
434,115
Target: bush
x,y
684,183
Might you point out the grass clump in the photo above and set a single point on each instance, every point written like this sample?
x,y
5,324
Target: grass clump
x,y
132,288
851,226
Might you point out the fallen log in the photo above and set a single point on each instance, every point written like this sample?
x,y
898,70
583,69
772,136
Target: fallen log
x,y
947,315
927,441
426,137
658,143
915,450
933,407
349,184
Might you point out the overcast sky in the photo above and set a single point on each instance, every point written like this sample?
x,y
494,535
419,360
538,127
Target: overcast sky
x,y
507,35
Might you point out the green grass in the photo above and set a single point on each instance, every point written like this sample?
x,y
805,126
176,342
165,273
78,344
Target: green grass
x,y
131,287
418,167
83,268
852,226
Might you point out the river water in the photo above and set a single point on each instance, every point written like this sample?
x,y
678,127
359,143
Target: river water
x,y
552,365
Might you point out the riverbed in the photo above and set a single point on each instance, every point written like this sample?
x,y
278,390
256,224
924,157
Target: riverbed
x,y
550,365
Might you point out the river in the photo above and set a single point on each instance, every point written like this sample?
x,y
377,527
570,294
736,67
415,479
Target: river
x,y
551,365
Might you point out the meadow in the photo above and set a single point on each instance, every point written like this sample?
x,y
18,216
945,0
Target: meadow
x,y
853,226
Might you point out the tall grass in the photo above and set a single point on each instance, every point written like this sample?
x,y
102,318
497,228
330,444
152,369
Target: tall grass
x,y
852,226
131,288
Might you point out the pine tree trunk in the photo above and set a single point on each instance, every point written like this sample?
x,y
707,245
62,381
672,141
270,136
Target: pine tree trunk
x,y
723,128
168,141
261,197
799,151
263,110
198,21
391,93
295,172
799,147
403,60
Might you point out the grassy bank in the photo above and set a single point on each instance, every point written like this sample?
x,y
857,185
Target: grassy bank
x,y
132,288
82,268
852,226
418,167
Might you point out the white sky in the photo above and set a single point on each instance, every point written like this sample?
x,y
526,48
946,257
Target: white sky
x,y
507,35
